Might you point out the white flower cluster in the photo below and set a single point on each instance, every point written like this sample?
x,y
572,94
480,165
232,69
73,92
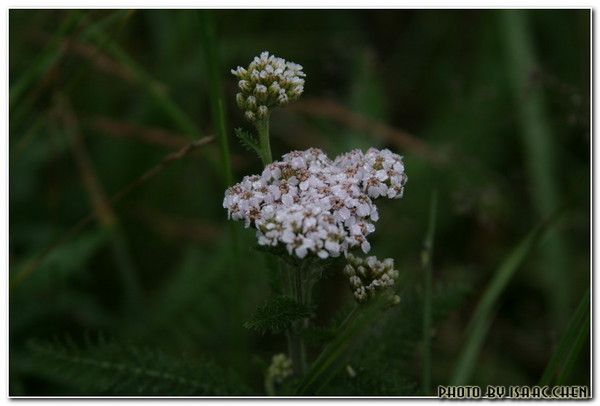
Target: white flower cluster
x,y
369,275
311,204
280,368
268,82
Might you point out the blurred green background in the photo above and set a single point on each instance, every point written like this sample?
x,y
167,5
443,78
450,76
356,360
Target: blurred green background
x,y
490,108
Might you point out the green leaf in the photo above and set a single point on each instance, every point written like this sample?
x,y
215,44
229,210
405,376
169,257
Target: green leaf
x,y
560,366
277,314
484,313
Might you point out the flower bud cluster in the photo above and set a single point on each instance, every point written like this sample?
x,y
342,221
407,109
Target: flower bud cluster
x,y
268,82
280,368
310,204
369,275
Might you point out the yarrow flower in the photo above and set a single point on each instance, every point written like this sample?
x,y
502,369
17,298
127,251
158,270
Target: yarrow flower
x,y
268,82
368,276
311,204
280,368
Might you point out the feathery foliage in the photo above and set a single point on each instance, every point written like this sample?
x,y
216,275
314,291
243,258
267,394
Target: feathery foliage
x,y
248,141
277,314
109,368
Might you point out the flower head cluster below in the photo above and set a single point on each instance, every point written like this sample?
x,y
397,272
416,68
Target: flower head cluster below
x,y
312,205
369,275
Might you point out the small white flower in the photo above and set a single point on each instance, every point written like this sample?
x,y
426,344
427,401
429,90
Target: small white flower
x,y
250,115
260,89
263,111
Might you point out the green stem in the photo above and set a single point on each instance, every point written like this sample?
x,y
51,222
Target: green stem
x,y
298,286
262,127
427,268
269,387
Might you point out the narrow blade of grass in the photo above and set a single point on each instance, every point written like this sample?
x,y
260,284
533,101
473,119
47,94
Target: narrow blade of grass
x,y
539,146
331,358
213,62
560,366
426,260
482,318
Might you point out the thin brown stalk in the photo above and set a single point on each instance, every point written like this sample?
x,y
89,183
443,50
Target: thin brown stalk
x,y
152,172
101,206
93,54
27,139
90,180
332,110
100,60
149,135
116,198
173,227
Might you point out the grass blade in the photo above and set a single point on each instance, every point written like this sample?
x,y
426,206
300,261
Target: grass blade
x,y
211,47
426,260
539,147
483,315
565,355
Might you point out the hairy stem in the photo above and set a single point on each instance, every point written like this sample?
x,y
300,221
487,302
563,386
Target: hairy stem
x,y
298,286
262,126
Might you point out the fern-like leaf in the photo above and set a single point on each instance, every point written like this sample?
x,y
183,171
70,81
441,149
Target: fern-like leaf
x,y
248,140
277,313
110,368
